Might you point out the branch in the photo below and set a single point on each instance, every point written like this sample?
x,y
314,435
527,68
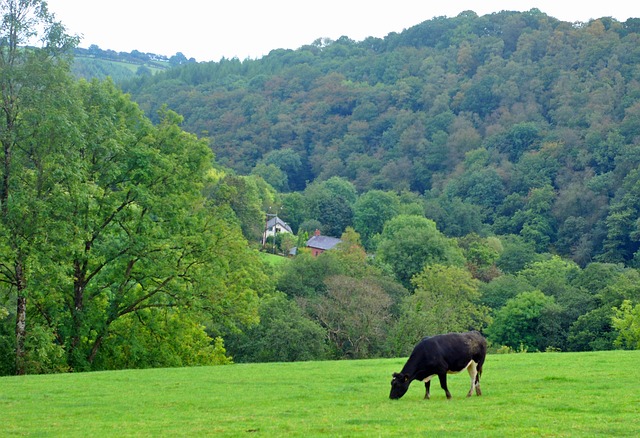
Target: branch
x,y
136,304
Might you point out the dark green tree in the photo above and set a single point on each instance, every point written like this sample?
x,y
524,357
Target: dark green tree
x,y
527,322
408,243
284,334
356,315
371,211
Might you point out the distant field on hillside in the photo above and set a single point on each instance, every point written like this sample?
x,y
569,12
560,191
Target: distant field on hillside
x,y
92,67
535,394
274,260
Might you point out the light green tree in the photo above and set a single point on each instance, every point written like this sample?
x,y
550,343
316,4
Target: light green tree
x,y
445,299
627,322
140,238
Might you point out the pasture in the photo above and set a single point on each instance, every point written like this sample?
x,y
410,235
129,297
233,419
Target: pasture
x,y
534,394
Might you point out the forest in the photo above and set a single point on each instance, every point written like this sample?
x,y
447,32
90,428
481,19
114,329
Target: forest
x,y
481,172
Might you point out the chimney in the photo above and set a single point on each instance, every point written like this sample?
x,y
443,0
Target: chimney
x,y
317,233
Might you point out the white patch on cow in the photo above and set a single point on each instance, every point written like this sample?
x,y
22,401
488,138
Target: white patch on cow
x,y
466,367
428,379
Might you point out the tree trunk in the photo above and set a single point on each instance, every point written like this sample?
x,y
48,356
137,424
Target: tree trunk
x,y
21,324
21,321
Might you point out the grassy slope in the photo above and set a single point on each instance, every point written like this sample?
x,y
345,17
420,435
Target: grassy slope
x,y
274,260
544,394
155,67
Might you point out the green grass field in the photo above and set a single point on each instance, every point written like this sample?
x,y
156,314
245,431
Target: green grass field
x,y
535,394
274,260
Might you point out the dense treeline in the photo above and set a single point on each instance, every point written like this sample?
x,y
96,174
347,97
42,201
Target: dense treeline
x,y
482,172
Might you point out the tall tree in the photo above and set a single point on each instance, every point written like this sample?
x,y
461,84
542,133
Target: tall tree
x,y
140,236
31,81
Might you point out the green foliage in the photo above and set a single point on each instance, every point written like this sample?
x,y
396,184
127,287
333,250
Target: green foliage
x,y
627,321
305,275
284,334
105,231
331,203
371,210
408,243
149,340
593,331
481,255
503,132
527,321
445,299
356,315
498,291
247,198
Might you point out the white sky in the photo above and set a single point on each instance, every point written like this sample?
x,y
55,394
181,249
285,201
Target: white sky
x,y
211,29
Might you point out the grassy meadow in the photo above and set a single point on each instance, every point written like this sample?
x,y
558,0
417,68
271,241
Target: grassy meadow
x,y
534,394
274,260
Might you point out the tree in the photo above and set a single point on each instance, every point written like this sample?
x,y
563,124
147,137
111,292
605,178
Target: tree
x,y
408,243
284,334
593,331
356,315
445,299
243,195
371,211
627,322
525,322
31,82
498,291
289,163
126,241
149,241
178,59
305,275
331,203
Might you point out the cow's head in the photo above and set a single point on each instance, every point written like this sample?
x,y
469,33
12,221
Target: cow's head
x,y
399,385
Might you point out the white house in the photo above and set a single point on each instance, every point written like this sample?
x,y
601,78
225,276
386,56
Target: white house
x,y
275,225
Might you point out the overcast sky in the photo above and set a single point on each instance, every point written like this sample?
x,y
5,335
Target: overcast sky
x,y
208,30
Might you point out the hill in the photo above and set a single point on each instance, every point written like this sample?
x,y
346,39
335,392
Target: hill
x,y
549,394
509,123
95,62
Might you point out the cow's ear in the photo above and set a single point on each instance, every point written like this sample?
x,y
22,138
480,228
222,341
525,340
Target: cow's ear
x,y
406,377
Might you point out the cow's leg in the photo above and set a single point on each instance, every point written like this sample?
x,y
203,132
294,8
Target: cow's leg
x,y
473,373
443,384
427,386
478,391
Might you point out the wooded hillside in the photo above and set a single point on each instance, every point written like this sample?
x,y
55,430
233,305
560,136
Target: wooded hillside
x,y
509,123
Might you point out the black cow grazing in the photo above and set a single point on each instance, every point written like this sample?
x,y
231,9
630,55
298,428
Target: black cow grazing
x,y
441,355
